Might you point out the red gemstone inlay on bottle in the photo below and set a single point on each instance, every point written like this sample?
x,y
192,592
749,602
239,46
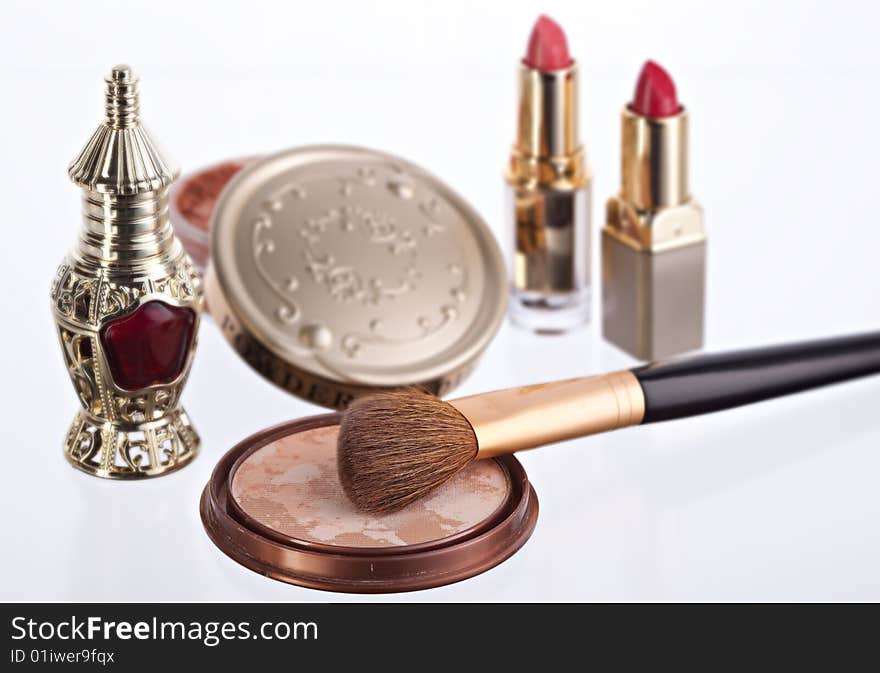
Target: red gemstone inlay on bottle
x,y
148,346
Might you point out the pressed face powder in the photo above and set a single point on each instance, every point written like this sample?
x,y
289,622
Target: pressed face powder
x,y
197,195
192,202
274,505
291,486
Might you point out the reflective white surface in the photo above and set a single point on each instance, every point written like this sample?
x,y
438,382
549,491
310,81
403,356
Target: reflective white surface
x,y
775,501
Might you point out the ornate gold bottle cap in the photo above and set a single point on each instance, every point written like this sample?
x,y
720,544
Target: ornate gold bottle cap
x,y
339,270
121,157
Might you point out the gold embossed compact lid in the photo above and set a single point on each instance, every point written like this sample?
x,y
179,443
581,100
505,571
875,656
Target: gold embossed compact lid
x,y
338,270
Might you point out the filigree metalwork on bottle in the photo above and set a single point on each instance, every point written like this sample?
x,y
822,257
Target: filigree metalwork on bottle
x,y
101,450
88,301
120,433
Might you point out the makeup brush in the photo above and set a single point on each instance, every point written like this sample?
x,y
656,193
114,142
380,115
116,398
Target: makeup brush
x,y
395,447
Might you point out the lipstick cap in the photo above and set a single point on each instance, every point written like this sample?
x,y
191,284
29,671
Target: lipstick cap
x,y
654,294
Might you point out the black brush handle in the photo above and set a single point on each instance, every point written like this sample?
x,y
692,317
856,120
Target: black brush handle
x,y
706,383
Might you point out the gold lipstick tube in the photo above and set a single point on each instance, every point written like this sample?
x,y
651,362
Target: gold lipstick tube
x,y
548,204
654,244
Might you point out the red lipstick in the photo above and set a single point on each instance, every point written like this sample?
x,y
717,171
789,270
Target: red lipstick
x,y
655,94
654,242
548,46
548,204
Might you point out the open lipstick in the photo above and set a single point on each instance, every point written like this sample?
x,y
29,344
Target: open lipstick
x,y
549,191
654,243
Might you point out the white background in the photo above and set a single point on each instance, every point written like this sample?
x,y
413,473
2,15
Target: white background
x,y
778,501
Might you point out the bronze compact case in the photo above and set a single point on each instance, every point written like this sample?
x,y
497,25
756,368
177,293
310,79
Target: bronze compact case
x,y
339,270
274,504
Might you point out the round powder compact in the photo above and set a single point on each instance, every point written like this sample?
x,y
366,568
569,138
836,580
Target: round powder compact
x,y
275,505
337,271
192,202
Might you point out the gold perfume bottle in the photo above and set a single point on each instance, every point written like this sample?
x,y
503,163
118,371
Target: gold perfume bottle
x,y
126,302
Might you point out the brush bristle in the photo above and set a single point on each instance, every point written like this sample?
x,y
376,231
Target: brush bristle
x,y
395,447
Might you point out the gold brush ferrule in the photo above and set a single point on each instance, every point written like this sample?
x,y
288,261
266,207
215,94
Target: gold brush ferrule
x,y
511,420
654,244
548,200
